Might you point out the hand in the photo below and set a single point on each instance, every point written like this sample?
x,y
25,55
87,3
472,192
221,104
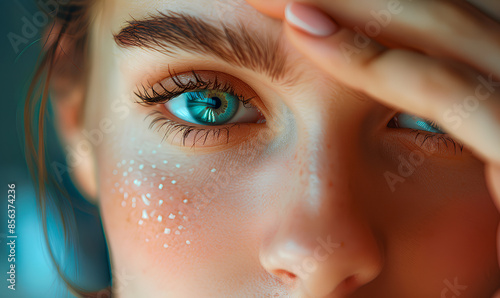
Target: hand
x,y
423,57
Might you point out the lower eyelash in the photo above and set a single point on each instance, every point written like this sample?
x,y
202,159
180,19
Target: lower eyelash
x,y
160,122
438,138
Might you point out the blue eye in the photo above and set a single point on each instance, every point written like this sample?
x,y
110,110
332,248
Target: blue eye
x,y
410,121
211,107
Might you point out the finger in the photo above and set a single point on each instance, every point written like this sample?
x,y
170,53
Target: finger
x,y
274,9
452,29
465,106
493,181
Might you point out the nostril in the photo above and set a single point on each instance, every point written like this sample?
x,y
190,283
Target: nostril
x,y
349,284
285,276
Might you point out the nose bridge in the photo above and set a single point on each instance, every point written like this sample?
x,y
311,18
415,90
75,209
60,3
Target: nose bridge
x,y
322,239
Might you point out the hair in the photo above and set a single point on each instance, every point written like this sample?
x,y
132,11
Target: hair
x,y
64,53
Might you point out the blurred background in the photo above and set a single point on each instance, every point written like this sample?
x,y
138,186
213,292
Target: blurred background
x,y
35,274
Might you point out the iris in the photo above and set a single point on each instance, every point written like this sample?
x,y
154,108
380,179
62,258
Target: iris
x,y
414,122
205,107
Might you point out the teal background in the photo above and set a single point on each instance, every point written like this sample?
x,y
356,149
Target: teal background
x,y
35,274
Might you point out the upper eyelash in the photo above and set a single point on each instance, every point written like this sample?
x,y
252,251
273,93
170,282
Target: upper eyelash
x,y
197,84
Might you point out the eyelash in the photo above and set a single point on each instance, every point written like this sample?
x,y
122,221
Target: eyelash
x,y
438,138
171,126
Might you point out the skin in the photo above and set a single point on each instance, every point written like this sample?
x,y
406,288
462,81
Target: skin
x,y
257,211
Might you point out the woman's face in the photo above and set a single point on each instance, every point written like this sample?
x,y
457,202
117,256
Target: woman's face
x,y
306,189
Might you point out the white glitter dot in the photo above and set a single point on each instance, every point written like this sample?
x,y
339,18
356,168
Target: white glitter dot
x,y
141,167
140,221
123,162
165,161
163,178
133,205
165,245
134,199
177,233
171,216
154,151
214,170
123,203
145,200
115,172
177,165
147,240
160,186
117,184
148,195
125,195
125,174
185,217
159,218
132,162
160,202
185,201
153,166
120,190
137,182
144,214
167,231
180,227
180,212
174,182
119,164
140,152
188,242
130,169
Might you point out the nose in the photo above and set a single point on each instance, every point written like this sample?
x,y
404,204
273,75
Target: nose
x,y
322,244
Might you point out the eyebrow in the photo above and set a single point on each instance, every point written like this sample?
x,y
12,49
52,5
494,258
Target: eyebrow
x,y
170,32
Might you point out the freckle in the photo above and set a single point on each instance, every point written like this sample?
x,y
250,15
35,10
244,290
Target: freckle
x,y
153,166
123,203
177,165
188,242
177,233
167,231
115,172
174,182
140,152
185,201
132,162
165,161
165,245
160,202
159,218
130,169
141,167
160,186
144,214
140,221
171,216
214,170
125,174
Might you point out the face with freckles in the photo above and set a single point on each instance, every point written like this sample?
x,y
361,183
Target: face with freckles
x,y
232,167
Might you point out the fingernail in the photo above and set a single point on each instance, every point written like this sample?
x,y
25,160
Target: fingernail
x,y
310,19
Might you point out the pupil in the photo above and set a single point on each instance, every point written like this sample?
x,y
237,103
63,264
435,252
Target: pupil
x,y
215,102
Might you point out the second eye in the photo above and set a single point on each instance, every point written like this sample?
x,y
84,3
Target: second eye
x,y
212,107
